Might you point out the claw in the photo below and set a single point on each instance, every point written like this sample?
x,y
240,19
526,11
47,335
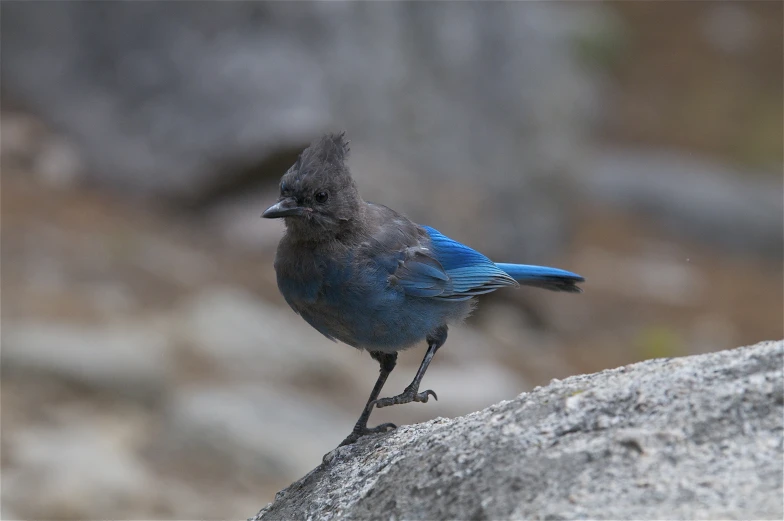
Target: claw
x,y
384,427
359,432
407,396
431,393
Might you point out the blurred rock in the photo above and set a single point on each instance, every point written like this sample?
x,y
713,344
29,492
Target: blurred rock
x,y
58,163
77,471
694,437
172,261
712,333
130,359
21,137
466,345
692,196
245,336
488,96
113,299
255,429
7,513
27,144
239,221
466,388
656,278
530,351
730,28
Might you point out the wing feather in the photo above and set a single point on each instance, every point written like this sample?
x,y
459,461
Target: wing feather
x,y
448,270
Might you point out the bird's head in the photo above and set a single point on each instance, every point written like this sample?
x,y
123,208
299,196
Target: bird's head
x,y
318,197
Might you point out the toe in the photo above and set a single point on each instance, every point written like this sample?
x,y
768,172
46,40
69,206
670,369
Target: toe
x,y
383,402
351,439
384,427
425,395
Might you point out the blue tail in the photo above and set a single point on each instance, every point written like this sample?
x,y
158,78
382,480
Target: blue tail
x,y
543,277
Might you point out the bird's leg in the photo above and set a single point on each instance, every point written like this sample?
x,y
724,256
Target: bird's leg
x,y
411,393
387,362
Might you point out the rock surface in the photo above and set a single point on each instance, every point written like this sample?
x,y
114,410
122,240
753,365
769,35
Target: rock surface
x,y
694,437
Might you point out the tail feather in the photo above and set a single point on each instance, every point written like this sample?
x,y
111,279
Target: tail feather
x,y
543,277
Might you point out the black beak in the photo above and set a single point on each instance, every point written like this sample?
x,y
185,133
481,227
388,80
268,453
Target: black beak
x,y
284,208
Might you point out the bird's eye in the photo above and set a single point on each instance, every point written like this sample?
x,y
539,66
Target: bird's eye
x,y
283,188
321,197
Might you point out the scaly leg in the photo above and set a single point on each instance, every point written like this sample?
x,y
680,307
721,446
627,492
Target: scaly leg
x,y
411,393
387,362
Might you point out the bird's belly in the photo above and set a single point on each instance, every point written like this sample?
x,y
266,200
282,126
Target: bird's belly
x,y
379,321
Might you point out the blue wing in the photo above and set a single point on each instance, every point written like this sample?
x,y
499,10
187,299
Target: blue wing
x,y
448,270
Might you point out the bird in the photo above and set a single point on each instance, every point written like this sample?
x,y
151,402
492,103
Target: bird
x,y
362,274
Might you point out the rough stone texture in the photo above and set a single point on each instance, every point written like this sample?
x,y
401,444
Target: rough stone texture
x,y
686,438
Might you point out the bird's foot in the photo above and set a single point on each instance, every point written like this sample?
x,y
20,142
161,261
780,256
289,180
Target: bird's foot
x,y
364,430
409,395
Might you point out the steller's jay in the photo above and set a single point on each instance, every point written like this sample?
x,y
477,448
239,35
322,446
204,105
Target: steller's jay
x,y
363,274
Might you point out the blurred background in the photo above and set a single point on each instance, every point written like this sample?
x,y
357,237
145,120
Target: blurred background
x,y
151,370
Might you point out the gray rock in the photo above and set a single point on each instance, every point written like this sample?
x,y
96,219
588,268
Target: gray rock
x,y
256,429
58,163
82,471
490,97
237,221
685,438
132,359
692,196
22,136
244,336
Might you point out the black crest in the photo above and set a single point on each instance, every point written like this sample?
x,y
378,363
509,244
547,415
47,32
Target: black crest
x,y
330,149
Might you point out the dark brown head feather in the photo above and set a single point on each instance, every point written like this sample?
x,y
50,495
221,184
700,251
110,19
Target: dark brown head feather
x,y
321,169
